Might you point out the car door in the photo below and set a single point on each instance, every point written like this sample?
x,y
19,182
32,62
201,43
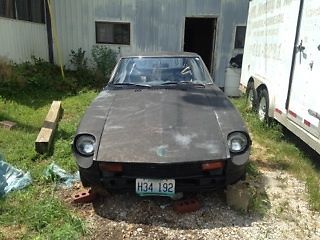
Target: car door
x,y
304,106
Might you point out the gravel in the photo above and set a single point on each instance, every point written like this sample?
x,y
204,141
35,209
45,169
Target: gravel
x,y
127,216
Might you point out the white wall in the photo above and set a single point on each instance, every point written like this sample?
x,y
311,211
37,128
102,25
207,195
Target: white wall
x,y
19,40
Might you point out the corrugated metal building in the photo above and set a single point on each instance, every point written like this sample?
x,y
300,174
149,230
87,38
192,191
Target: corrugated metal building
x,y
207,27
213,28
23,32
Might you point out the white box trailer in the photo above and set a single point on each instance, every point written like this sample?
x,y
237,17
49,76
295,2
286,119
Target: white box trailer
x,y
281,64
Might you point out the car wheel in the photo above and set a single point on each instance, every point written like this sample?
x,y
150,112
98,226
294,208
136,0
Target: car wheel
x,y
251,97
263,107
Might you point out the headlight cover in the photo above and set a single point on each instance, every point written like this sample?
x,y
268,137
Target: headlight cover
x,y
238,142
85,144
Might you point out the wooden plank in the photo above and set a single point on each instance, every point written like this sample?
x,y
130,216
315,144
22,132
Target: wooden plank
x,y
7,124
45,136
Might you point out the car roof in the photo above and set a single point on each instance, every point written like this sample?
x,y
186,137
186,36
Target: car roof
x,y
162,54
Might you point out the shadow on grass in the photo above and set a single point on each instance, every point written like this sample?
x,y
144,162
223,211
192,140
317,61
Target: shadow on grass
x,y
36,98
19,125
303,147
272,164
60,134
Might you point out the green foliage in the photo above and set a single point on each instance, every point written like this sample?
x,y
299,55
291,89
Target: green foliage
x,y
34,74
5,71
40,74
81,71
282,151
37,212
259,201
41,214
78,59
105,60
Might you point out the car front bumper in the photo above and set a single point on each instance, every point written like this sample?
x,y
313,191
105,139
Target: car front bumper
x,y
189,177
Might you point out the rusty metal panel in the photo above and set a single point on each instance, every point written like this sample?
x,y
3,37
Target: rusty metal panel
x,y
20,40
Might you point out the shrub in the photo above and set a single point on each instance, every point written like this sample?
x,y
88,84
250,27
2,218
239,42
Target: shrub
x,y
83,74
5,69
105,60
78,60
35,74
42,75
6,72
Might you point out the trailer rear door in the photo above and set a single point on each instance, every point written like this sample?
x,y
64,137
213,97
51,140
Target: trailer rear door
x,y
304,105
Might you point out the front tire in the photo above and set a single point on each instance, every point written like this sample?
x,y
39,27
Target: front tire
x,y
263,106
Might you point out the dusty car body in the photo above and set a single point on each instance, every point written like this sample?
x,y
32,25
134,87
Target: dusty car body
x,y
160,127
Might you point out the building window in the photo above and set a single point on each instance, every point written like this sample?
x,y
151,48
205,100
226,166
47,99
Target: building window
x,y
27,10
240,37
113,33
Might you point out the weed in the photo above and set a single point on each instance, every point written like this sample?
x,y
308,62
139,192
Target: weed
x,y
81,71
5,70
259,202
283,206
252,169
78,59
281,151
105,60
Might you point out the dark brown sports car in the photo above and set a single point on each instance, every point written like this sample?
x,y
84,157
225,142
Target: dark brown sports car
x,y
160,127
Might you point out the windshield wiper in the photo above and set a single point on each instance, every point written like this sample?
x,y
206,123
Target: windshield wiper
x,y
169,83
193,83
132,84
184,83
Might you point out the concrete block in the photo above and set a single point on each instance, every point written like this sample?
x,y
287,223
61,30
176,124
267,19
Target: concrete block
x,y
84,196
238,196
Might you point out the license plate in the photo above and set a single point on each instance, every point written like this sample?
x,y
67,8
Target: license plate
x,y
156,187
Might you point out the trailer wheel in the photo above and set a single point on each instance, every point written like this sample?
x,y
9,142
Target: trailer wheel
x,y
251,97
263,107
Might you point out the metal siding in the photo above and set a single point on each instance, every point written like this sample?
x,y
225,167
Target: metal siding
x,y
203,7
143,26
110,8
156,25
168,24
20,40
226,34
128,14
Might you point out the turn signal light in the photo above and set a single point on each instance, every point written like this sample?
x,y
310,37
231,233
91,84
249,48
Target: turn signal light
x,y
111,167
212,166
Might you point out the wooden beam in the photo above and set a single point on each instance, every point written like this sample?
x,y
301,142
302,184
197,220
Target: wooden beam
x,y
45,137
7,124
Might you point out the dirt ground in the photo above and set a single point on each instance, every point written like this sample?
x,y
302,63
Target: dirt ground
x,y
127,216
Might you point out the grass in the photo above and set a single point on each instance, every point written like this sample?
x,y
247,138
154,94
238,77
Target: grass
x,y
36,212
276,148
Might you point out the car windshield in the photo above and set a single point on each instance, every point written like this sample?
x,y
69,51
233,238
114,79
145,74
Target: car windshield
x,y
153,71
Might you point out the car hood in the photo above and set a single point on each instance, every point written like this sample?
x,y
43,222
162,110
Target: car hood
x,y
163,125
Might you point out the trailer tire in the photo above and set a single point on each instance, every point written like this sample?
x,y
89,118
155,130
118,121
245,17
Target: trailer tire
x,y
251,94
263,106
